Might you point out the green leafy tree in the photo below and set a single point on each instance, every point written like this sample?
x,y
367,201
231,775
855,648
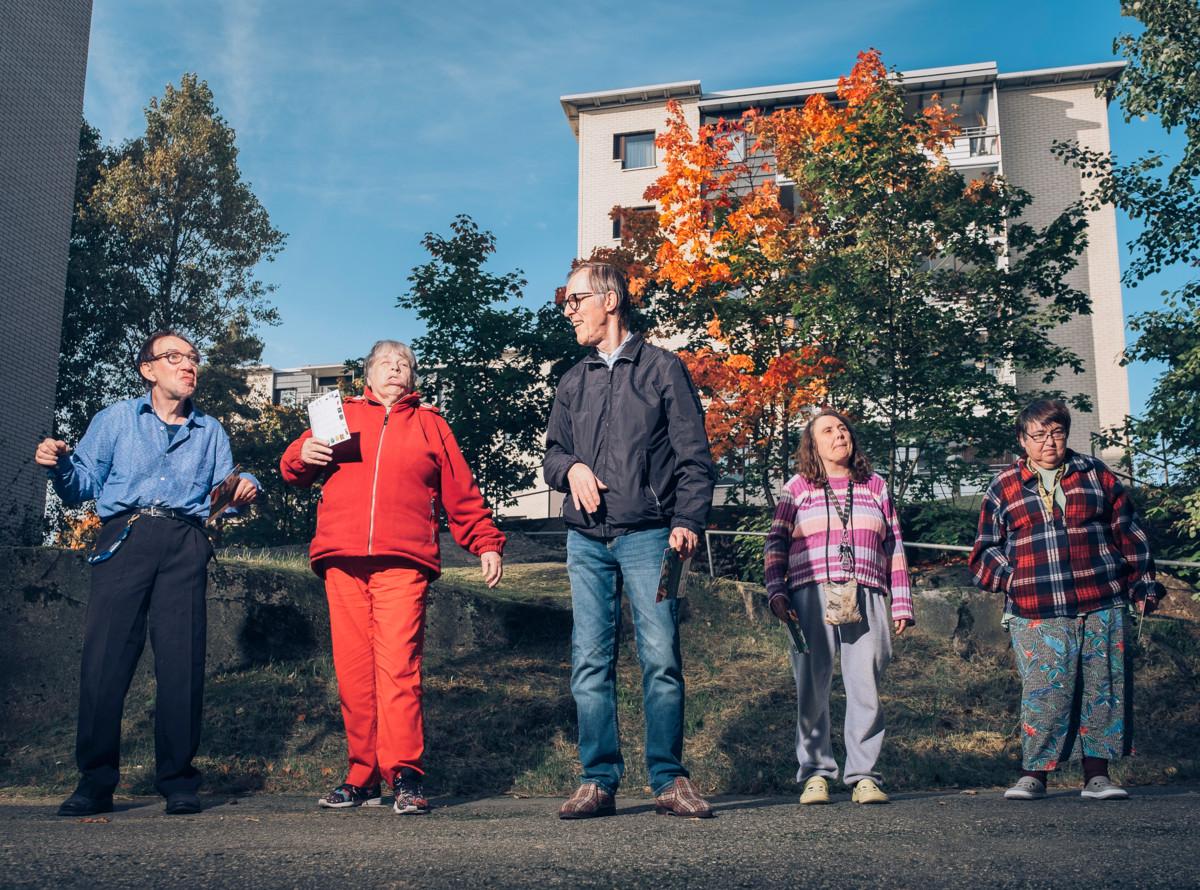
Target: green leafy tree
x,y
921,286
1162,80
488,364
94,359
282,514
167,235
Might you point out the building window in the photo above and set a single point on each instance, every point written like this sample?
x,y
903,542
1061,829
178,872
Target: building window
x,y
619,216
787,197
286,397
635,151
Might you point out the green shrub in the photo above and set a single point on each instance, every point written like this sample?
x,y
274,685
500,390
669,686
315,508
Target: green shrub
x,y
935,522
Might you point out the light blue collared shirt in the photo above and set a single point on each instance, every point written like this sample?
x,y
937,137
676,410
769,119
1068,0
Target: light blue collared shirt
x,y
127,459
610,358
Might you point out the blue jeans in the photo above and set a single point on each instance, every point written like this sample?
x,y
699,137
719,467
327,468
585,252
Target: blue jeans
x,y
596,605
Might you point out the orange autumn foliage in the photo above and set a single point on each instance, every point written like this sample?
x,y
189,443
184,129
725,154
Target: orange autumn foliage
x,y
710,212
743,404
819,124
78,532
724,252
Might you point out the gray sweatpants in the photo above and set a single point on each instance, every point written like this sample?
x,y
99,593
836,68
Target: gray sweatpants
x,y
866,649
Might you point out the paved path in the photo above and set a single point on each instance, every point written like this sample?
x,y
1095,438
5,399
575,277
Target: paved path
x,y
921,840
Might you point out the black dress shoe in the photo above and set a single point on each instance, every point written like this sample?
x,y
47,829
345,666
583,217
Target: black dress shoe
x,y
79,804
182,803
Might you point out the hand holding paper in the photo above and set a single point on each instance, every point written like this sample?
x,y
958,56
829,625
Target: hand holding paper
x,y
327,419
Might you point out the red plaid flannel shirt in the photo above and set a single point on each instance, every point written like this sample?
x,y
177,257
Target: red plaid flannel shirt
x,y
1093,556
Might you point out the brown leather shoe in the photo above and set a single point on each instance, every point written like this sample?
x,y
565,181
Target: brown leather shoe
x,y
682,799
588,802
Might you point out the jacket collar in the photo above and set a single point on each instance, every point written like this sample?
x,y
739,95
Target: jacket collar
x,y
408,402
630,351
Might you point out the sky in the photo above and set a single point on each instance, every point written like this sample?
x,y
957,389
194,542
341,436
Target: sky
x,y
363,125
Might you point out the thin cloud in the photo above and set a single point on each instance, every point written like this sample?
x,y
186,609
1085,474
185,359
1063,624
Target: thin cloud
x,y
114,93
239,74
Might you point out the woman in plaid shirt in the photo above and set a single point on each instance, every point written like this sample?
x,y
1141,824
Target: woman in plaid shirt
x,y
1058,537
835,541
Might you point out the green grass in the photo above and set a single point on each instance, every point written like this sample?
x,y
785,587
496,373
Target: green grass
x,y
539,583
502,720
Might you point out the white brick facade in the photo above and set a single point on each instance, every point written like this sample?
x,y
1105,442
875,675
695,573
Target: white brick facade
x,y
1031,119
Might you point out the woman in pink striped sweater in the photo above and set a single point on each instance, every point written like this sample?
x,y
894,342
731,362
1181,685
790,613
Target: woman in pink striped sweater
x,y
833,556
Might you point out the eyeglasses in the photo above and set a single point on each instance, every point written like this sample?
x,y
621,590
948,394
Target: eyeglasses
x,y
175,358
1041,436
573,300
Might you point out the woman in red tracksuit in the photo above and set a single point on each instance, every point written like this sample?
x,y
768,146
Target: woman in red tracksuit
x,y
376,546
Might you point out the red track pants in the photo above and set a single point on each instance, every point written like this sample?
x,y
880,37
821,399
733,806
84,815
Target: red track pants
x,y
377,620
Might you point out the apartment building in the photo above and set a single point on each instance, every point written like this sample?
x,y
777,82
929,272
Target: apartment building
x,y
294,387
1009,121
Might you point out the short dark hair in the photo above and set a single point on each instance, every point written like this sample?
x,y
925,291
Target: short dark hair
x,y
146,353
1045,412
605,277
808,462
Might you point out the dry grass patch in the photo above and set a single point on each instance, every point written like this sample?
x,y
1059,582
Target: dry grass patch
x,y
502,720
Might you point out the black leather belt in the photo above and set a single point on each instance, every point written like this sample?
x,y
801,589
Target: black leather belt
x,y
167,513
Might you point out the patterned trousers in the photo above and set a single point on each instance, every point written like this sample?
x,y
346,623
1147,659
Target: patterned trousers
x,y
1076,685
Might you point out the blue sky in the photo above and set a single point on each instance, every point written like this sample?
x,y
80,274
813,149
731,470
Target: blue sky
x,y
363,125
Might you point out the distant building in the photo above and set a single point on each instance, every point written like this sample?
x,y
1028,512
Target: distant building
x,y
43,60
294,387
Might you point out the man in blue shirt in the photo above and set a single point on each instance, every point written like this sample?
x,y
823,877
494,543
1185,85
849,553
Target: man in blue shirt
x,y
150,464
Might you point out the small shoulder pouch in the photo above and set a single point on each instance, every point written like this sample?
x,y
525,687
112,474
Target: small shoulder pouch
x,y
841,602
841,597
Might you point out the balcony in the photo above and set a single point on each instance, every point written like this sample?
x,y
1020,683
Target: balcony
x,y
975,146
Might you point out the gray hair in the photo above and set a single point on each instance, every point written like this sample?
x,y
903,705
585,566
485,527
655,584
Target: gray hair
x,y
604,277
385,345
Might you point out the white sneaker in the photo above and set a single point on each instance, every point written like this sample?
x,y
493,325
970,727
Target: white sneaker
x,y
1103,788
1026,788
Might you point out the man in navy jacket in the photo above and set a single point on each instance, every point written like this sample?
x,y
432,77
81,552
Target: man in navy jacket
x,y
627,441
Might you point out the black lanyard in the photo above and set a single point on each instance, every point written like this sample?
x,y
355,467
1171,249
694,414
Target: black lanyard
x,y
845,513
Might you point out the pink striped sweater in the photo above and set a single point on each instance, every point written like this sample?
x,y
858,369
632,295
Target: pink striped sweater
x,y
796,544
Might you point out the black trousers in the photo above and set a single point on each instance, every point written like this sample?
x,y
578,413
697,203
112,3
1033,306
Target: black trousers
x,y
159,574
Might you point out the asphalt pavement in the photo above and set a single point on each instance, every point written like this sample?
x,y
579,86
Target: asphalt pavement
x,y
932,840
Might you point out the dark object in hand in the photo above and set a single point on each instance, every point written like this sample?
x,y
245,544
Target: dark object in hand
x,y
670,576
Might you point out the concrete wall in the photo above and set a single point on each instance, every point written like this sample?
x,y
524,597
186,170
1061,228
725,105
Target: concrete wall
x,y
43,57
1031,119
256,615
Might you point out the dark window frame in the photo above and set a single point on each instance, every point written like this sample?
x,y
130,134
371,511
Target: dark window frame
x,y
616,227
618,152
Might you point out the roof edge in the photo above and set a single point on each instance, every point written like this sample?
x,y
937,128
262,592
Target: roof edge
x,y
576,102
1063,74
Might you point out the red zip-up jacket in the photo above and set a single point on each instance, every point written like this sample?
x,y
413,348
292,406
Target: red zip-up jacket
x,y
385,486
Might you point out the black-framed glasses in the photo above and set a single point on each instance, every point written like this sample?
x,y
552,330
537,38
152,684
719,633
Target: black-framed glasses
x,y
1041,435
574,300
174,358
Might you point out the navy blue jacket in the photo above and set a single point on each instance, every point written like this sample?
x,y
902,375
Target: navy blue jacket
x,y
640,428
